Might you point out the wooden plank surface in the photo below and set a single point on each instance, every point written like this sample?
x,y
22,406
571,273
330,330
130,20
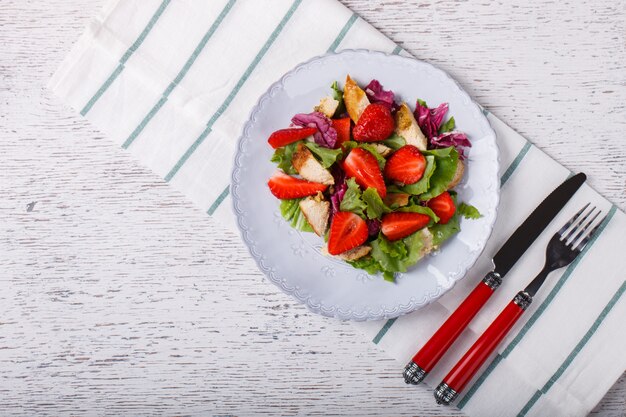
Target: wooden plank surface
x,y
119,297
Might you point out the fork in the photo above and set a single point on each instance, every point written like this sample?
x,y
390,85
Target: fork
x,y
563,248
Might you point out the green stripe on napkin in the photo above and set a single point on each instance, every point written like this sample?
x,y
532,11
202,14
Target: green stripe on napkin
x,y
125,57
570,358
181,74
518,159
234,91
384,330
218,201
333,46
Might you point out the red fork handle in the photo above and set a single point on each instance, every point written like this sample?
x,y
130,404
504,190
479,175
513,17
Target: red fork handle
x,y
475,357
428,356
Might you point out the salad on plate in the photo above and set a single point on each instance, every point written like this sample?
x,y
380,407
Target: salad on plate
x,y
373,178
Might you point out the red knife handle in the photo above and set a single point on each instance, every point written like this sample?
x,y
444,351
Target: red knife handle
x,y
475,357
428,356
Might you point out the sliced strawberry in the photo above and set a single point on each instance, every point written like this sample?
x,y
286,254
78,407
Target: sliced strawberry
x,y
342,126
406,165
284,137
284,186
398,225
347,231
443,206
376,123
363,167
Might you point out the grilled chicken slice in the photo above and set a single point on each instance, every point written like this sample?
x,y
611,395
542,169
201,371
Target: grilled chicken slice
x,y
352,254
309,168
355,99
382,149
316,211
407,127
327,106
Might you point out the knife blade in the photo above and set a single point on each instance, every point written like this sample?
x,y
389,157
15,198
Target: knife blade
x,y
535,223
521,239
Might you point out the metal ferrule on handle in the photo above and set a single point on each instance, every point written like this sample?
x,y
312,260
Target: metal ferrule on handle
x,y
470,363
428,356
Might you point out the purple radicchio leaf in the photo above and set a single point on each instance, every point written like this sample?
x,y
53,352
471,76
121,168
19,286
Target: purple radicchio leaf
x,y
336,197
376,94
326,134
373,227
457,139
429,120
340,188
438,114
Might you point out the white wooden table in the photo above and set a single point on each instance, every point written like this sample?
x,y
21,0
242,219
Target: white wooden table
x,y
119,297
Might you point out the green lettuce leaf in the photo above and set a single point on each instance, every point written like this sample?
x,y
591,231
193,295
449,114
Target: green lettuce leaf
x,y
396,256
352,200
349,145
338,95
443,232
440,153
325,156
446,160
375,206
282,156
394,141
468,211
392,257
422,102
416,208
290,210
366,204
393,188
414,244
447,126
369,264
423,184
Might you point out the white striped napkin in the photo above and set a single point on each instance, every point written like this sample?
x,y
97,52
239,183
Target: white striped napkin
x,y
174,81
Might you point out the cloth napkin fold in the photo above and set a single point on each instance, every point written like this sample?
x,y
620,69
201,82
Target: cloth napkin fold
x,y
173,82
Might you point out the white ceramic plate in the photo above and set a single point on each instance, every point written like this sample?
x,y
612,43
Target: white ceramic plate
x,y
291,259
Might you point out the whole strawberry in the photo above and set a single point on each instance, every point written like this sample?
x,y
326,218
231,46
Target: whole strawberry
x,y
376,123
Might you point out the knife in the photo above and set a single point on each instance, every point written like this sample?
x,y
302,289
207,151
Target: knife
x,y
428,356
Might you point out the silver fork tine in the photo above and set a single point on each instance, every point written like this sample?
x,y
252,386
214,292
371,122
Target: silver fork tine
x,y
574,229
585,227
586,239
571,221
578,226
